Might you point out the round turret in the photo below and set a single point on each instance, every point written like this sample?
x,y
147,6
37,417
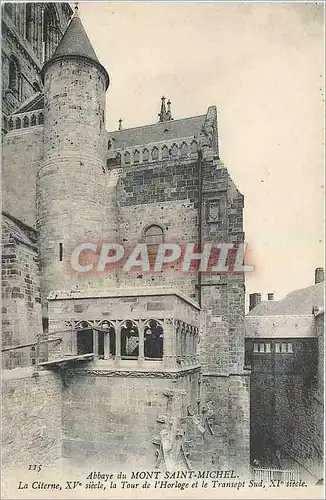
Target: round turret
x,y
71,190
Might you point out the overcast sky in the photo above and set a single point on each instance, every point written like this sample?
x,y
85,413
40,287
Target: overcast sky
x,y
261,64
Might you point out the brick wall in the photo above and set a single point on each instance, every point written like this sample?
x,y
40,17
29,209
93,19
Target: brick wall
x,y
31,416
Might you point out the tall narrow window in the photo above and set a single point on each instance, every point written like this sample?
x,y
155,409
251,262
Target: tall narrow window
x,y
154,153
127,158
13,74
60,252
145,154
28,21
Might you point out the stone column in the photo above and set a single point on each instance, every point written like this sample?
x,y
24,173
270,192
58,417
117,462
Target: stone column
x,y
95,344
169,344
141,355
118,345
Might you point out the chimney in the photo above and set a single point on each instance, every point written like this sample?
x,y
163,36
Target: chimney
x,y
319,275
254,300
270,296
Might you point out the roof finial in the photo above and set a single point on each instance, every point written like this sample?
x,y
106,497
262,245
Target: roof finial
x,y
120,124
162,114
76,10
169,114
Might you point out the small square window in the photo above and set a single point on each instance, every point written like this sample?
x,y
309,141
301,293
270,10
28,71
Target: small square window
x,y
261,347
277,347
255,347
290,347
283,347
268,347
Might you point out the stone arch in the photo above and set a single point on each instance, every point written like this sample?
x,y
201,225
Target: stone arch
x,y
127,158
25,122
154,153
11,124
165,152
174,150
183,149
129,336
136,156
193,146
41,119
153,237
18,123
153,339
33,120
145,154
84,337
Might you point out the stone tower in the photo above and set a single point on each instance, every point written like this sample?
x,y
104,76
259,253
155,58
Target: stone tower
x,y
71,181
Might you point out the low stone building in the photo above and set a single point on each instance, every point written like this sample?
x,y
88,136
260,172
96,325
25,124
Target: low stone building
x,y
285,352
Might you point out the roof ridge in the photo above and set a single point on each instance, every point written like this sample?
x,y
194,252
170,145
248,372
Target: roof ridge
x,y
162,124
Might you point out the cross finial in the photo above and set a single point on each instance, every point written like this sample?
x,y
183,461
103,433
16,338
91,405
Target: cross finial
x,y
120,124
76,7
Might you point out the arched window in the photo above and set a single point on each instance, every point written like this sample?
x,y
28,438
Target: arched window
x,y
33,120
13,75
136,156
174,150
129,340
85,340
127,158
145,154
28,22
25,122
154,236
165,152
11,124
18,123
184,149
153,340
40,119
154,153
193,146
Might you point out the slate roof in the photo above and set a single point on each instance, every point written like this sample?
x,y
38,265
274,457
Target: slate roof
x,y
75,42
157,132
298,302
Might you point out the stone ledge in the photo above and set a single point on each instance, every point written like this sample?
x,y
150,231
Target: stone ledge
x,y
120,292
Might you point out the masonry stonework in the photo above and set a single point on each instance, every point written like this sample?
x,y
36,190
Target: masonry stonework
x,y
145,359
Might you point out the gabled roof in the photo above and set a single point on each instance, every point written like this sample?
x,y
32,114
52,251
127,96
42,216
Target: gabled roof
x,y
298,302
157,132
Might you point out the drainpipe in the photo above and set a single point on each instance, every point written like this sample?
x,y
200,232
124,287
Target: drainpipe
x,y
200,197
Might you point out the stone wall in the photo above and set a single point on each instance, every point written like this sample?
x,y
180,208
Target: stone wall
x,y
115,419
21,156
21,303
31,416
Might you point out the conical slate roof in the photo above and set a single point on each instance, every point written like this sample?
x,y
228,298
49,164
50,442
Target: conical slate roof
x,y
75,43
